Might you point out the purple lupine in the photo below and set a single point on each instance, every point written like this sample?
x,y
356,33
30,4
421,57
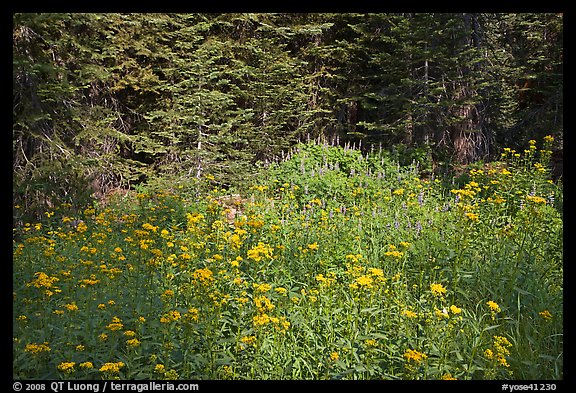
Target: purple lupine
x,y
418,228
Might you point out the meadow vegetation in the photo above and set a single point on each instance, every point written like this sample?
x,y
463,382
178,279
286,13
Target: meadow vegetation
x,y
338,264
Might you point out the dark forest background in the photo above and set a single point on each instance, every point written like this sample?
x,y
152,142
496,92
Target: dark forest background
x,y
107,102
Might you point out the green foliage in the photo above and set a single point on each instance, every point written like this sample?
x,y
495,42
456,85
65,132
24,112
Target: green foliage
x,y
142,97
393,277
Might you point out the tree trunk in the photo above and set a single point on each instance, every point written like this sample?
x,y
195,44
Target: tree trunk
x,y
470,139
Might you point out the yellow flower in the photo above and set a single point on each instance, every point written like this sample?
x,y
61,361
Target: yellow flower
x,y
66,367
205,276
370,342
472,216
546,315
116,324
43,280
364,281
134,342
112,368
375,272
37,348
409,313
249,340
334,356
441,313
263,304
149,227
86,365
192,314
415,356
81,227
494,307
502,361
437,289
260,320
314,246
262,287
448,377
394,253
167,294
260,252
536,199
501,345
170,316
455,310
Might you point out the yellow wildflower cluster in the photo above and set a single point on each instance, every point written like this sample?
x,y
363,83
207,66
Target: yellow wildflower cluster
x,y
536,199
66,367
43,280
499,351
261,287
37,348
247,341
263,304
394,253
193,220
414,356
325,281
203,276
494,308
170,316
111,368
116,324
448,377
261,251
362,282
438,289
192,314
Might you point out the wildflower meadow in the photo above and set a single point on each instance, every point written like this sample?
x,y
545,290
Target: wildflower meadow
x,y
339,264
